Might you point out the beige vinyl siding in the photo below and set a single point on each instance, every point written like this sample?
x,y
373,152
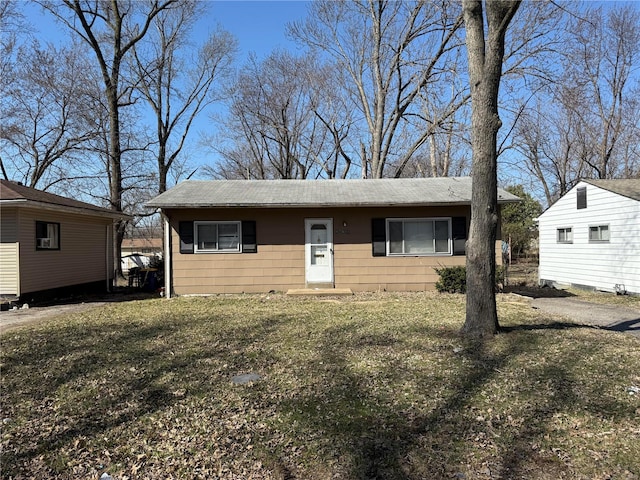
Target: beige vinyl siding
x,y
9,252
599,265
355,268
80,259
9,269
280,262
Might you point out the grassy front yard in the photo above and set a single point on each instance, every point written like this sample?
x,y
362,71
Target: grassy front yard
x,y
370,386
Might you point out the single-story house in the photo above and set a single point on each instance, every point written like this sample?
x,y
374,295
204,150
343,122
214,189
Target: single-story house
x,y
234,236
591,237
52,244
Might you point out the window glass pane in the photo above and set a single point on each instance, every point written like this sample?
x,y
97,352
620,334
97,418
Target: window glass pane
x,y
599,233
442,236
207,237
41,230
565,235
53,234
395,237
418,237
228,236
581,197
47,235
318,234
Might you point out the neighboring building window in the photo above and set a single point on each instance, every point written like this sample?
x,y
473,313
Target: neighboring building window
x,y
565,235
419,236
217,236
581,195
599,233
47,236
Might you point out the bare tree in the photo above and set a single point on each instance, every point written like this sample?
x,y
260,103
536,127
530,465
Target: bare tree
x,y
389,53
11,23
111,30
272,126
176,85
601,62
584,123
44,123
548,138
485,51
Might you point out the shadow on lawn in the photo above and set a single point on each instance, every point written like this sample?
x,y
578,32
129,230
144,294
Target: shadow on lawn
x,y
385,439
543,326
538,292
117,376
366,427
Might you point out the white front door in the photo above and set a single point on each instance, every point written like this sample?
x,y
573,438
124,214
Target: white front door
x,y
319,250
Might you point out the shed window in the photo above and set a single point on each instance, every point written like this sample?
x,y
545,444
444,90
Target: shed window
x,y
217,236
47,236
581,196
565,235
419,236
599,233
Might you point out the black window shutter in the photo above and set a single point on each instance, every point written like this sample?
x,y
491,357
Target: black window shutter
x,y
581,198
249,237
459,234
379,237
185,230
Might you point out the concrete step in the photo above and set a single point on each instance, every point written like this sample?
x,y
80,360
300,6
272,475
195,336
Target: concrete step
x,y
319,292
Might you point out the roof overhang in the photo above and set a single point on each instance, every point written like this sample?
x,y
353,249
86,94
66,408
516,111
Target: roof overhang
x,y
298,194
24,203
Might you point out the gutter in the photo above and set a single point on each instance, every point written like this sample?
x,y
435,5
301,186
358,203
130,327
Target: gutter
x,y
314,205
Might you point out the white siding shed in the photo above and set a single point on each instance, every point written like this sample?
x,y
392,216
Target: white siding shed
x,y
591,237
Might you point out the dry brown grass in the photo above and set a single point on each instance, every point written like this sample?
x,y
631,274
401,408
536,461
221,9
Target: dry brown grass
x,y
370,386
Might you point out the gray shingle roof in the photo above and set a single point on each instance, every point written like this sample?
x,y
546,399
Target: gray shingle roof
x,y
626,187
320,193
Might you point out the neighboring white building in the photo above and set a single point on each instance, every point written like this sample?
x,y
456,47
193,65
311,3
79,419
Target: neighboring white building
x,y
591,237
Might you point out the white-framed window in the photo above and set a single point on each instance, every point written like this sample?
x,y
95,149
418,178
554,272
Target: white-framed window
x,y
419,236
564,235
212,237
47,235
599,233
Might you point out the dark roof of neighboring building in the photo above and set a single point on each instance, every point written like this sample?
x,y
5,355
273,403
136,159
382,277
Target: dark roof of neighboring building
x,y
11,192
627,187
321,193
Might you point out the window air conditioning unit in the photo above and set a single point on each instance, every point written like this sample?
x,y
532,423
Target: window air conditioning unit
x,y
44,243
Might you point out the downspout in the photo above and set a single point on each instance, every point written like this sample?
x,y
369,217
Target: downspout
x,y
167,257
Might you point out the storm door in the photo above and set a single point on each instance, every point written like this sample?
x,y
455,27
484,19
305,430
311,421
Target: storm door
x,y
319,251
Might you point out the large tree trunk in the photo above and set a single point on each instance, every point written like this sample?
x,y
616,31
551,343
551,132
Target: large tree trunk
x,y
485,70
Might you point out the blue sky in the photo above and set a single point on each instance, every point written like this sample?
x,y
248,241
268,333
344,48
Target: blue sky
x,y
259,26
